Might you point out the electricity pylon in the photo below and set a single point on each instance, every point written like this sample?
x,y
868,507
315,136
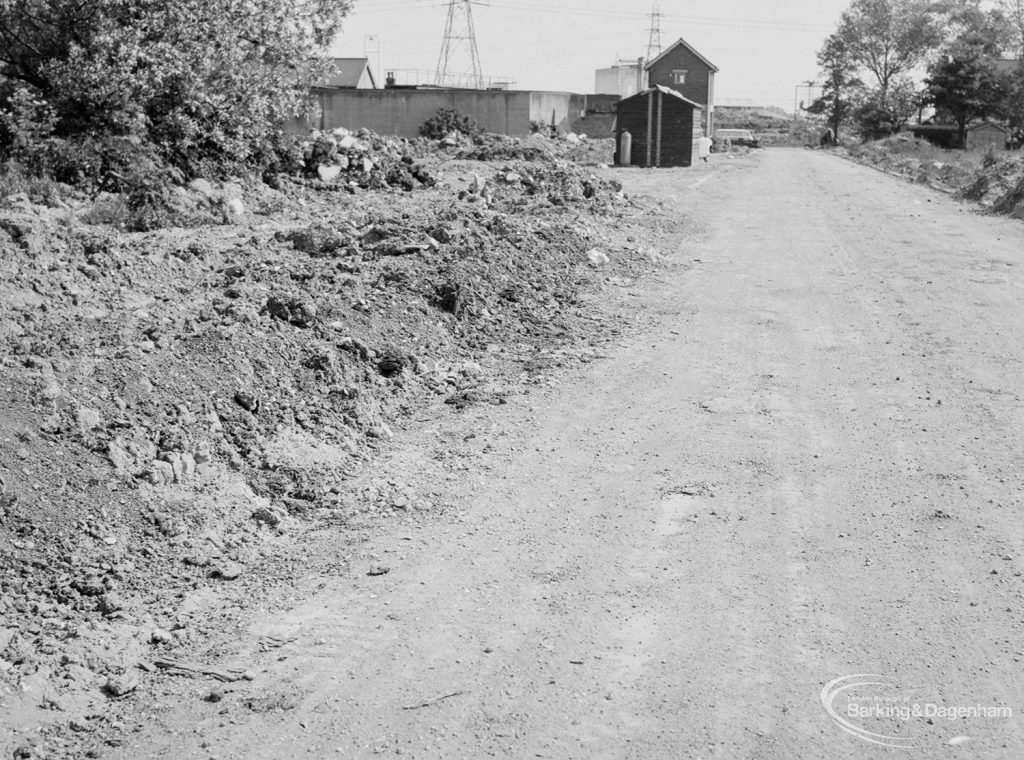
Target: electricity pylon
x,y
654,40
459,31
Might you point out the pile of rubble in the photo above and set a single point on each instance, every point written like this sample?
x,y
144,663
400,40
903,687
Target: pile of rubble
x,y
361,160
175,399
995,180
999,186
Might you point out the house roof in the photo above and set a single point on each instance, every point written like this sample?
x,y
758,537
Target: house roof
x,y
665,91
349,71
688,46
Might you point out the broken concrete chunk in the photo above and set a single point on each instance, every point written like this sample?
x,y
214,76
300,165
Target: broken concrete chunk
x,y
328,173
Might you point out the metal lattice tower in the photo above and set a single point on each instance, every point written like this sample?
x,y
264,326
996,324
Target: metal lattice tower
x,y
654,40
459,32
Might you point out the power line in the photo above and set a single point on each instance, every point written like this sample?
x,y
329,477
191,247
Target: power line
x,y
388,6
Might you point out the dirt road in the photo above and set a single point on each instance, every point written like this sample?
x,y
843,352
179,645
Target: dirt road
x,y
809,469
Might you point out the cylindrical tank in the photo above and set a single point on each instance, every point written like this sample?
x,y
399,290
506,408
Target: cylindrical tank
x,y
625,148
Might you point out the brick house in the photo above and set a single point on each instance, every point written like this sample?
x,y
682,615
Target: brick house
x,y
681,68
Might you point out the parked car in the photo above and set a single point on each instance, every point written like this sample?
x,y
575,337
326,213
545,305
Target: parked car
x,y
740,137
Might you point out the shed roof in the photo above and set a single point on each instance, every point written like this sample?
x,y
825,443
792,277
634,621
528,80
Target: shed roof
x,y
665,91
688,46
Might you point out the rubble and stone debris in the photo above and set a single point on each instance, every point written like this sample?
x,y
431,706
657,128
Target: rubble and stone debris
x,y
176,399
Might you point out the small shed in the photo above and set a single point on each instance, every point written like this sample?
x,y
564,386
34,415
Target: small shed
x,y
664,126
986,134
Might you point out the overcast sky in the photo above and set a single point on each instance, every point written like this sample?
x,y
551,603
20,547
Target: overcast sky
x,y
762,48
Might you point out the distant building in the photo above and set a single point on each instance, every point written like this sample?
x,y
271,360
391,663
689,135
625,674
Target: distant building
x,y
981,135
681,68
987,135
625,79
350,74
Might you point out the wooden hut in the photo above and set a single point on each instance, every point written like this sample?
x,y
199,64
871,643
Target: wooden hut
x,y
987,134
664,126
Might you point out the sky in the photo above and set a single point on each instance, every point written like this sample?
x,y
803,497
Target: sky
x,y
763,48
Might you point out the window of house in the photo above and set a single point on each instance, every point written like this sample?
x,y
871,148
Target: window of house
x,y
679,76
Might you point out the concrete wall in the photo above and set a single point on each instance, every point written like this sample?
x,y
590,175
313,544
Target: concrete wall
x,y
593,115
544,105
402,112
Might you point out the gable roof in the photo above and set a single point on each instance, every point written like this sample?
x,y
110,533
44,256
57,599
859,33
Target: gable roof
x,y
349,72
688,46
665,91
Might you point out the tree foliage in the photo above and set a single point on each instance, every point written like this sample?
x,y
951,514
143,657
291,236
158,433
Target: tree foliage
x,y
1013,12
966,23
841,83
205,83
877,116
965,86
889,37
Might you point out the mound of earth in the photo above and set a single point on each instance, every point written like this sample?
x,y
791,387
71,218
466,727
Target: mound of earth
x,y
174,399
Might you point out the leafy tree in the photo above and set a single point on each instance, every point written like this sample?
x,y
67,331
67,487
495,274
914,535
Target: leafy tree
x,y
968,23
889,37
965,86
836,102
878,117
207,83
1013,11
1012,107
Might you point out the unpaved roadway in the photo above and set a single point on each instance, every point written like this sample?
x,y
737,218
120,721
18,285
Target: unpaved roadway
x,y
810,468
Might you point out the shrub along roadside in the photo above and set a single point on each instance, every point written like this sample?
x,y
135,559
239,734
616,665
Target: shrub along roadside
x,y
133,96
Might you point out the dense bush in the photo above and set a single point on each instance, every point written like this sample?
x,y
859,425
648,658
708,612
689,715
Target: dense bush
x,y
446,121
200,85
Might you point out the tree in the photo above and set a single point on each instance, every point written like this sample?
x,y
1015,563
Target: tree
x,y
877,117
889,37
965,86
205,82
1012,107
1013,10
967,23
835,102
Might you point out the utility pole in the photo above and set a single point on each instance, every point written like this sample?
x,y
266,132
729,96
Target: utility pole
x,y
798,105
654,40
371,44
459,31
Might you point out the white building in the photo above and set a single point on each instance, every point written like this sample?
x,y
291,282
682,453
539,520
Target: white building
x,y
625,79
